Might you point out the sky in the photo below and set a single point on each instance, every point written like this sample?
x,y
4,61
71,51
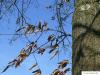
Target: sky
x,y
9,51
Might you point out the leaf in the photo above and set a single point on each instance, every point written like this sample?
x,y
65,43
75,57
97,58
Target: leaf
x,y
37,71
45,26
33,28
39,25
23,54
51,50
41,50
6,68
33,44
30,29
12,61
66,70
55,46
50,37
54,54
18,62
63,63
57,72
34,65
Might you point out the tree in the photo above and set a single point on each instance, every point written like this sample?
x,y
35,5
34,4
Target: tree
x,y
55,39
86,33
86,36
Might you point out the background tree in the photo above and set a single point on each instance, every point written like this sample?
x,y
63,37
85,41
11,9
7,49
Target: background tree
x,y
40,38
86,36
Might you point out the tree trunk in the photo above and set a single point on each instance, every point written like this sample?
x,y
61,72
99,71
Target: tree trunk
x,y
86,36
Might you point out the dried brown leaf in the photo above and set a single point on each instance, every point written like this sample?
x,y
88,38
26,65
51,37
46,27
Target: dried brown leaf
x,y
37,73
23,54
63,63
50,37
30,29
17,63
41,50
57,72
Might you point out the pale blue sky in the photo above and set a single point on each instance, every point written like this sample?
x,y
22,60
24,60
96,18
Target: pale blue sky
x,y
9,51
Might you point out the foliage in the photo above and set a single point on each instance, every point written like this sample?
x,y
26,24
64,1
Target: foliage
x,y
57,39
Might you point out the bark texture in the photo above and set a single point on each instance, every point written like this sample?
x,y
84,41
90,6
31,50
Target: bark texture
x,y
86,36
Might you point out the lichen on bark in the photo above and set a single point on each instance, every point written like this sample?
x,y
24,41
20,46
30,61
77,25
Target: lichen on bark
x,y
86,37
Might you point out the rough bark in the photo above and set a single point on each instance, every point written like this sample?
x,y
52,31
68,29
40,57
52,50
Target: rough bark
x,y
86,36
